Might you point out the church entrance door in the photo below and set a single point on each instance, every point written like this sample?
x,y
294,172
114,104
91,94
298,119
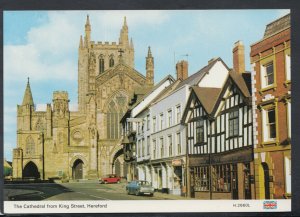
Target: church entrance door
x,y
31,171
77,170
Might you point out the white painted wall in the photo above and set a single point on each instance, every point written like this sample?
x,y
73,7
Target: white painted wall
x,y
216,76
177,98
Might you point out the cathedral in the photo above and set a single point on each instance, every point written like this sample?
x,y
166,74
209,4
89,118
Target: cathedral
x,y
82,144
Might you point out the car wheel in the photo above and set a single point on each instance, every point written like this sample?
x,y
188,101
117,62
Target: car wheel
x,y
127,190
151,195
105,182
137,193
118,181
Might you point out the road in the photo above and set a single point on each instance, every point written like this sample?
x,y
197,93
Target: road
x,y
73,191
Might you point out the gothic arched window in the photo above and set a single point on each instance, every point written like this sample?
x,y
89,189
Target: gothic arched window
x,y
39,125
115,112
101,64
30,147
111,61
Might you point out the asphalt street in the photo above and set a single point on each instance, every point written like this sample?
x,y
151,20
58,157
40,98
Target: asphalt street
x,y
74,191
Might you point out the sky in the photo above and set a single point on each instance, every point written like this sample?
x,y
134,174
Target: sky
x,y
43,45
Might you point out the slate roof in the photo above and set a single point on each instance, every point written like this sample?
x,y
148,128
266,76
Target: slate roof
x,y
240,81
278,25
167,91
143,92
208,96
195,78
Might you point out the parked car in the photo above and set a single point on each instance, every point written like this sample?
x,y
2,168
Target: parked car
x,y
111,178
138,187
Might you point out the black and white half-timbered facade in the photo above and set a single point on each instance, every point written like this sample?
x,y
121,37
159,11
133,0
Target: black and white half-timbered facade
x,y
219,140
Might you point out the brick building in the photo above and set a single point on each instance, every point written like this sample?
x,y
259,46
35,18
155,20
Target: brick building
x,y
271,88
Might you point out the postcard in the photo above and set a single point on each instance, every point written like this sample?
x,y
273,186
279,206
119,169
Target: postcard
x,y
137,111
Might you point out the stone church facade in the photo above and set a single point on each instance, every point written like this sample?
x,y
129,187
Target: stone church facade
x,y
83,144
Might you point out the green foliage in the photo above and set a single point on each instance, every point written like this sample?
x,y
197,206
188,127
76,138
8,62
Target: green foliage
x,y
7,171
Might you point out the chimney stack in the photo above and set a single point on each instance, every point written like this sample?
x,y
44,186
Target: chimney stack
x,y
182,70
238,52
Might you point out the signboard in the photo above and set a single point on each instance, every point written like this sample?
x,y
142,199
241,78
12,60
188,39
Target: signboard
x,y
196,160
232,157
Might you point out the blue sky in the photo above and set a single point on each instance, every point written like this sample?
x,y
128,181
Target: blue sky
x,y
43,45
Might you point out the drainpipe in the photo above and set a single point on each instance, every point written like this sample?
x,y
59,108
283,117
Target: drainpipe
x,y
186,162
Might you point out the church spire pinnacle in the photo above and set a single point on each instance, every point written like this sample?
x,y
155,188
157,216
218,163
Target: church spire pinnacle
x,y
125,23
131,44
124,34
81,42
87,37
149,52
87,23
27,99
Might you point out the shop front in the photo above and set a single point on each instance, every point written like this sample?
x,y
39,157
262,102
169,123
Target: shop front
x,y
169,176
221,176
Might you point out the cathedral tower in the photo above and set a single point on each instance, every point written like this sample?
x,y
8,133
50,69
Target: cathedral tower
x,y
96,57
25,110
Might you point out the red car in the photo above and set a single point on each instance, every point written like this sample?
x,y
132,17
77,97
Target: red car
x,y
111,178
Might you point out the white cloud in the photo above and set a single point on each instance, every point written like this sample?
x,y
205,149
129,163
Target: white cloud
x,y
23,61
51,48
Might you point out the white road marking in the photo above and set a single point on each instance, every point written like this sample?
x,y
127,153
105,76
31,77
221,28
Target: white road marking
x,y
92,195
98,197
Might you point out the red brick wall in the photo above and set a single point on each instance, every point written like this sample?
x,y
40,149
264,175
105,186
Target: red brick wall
x,y
273,45
278,174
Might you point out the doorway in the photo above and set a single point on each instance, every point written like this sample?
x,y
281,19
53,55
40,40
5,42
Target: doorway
x,y
159,179
247,184
235,188
31,171
77,170
266,180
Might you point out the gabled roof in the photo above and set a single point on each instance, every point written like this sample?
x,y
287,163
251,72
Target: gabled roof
x,y
195,78
141,93
122,67
208,96
148,91
240,82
